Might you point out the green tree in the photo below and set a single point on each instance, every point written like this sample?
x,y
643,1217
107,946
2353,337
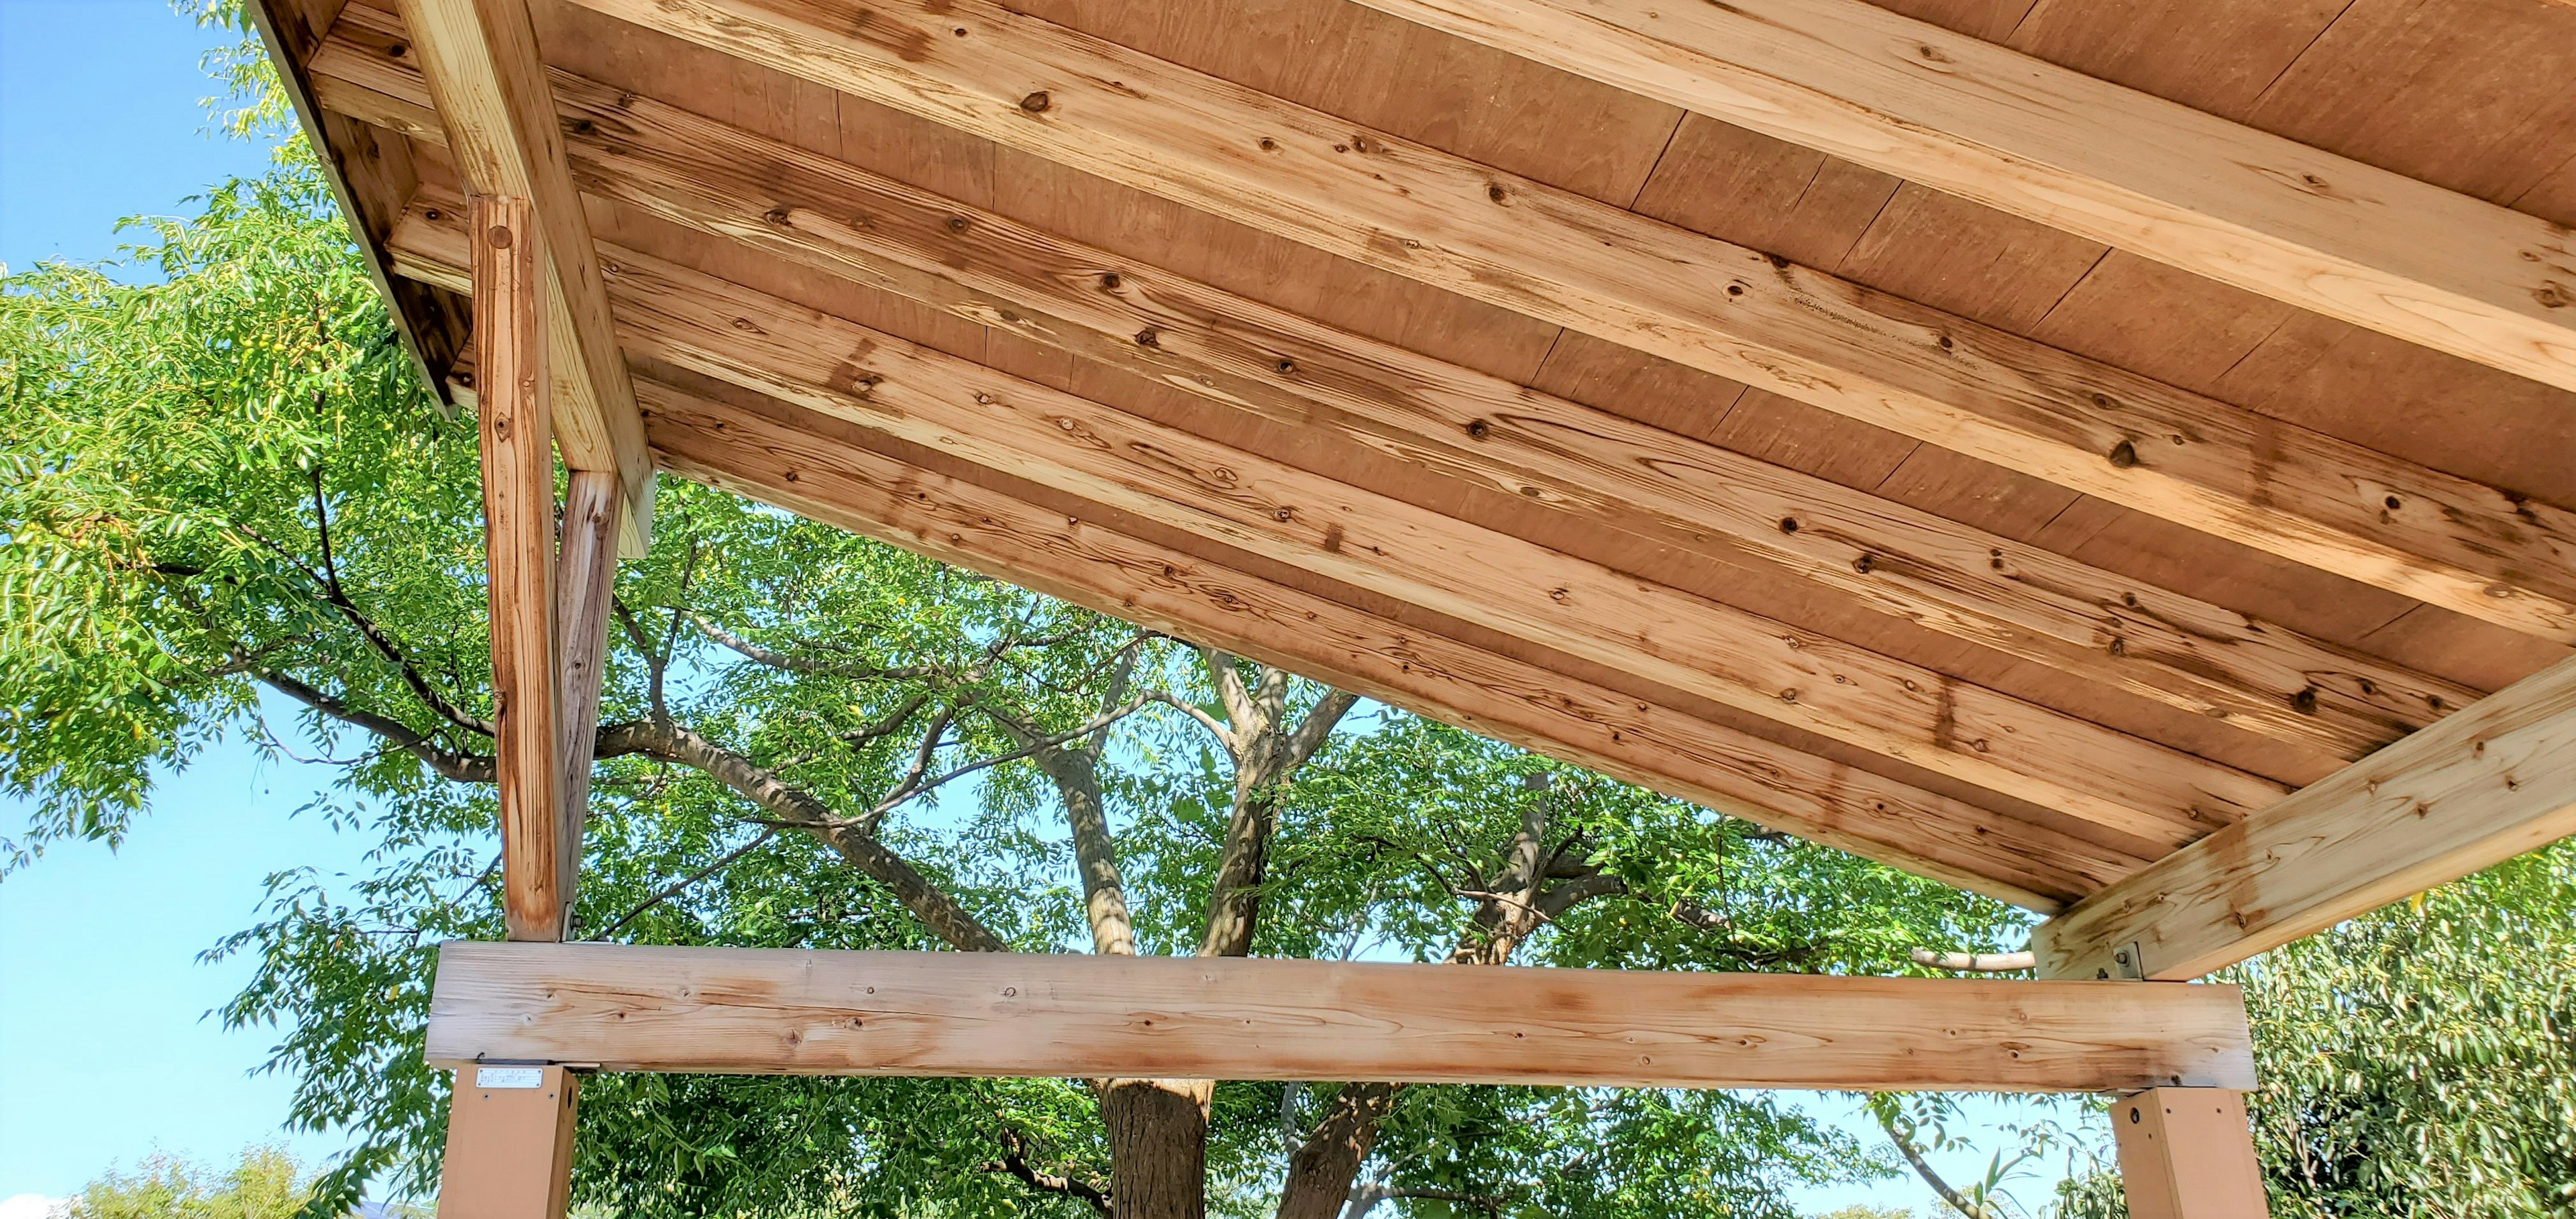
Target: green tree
x,y
229,512
267,1184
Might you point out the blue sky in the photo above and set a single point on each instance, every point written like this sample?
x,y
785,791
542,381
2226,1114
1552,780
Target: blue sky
x,y
105,1051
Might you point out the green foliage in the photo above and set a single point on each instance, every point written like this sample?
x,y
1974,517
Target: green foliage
x,y
266,1184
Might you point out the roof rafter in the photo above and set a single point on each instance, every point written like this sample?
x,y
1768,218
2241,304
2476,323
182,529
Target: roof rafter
x,y
479,58
2125,168
1564,258
1460,423
1243,498
2481,787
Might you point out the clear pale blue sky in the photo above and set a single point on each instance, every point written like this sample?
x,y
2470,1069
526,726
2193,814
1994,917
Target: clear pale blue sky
x,y
105,1051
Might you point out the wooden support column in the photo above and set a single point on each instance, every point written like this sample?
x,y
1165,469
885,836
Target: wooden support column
x,y
2187,1153
585,577
509,1144
519,544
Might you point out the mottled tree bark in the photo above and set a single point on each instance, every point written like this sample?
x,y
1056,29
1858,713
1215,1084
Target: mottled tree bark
x,y
1157,1146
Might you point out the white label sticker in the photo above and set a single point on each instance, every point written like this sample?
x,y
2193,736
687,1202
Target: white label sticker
x,y
509,1077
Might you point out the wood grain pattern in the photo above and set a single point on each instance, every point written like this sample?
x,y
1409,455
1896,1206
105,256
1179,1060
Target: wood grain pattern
x,y
1086,554
508,252
1268,507
1594,268
586,580
779,1011
1600,468
2188,1153
2131,170
2490,783
480,60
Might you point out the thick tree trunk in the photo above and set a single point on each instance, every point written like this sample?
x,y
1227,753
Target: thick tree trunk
x,y
1321,1171
1157,1147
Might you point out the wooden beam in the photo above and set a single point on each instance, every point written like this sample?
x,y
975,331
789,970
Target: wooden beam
x,y
509,1143
1606,472
2481,787
480,61
2125,168
791,1011
519,548
1241,498
1093,556
587,578
2187,1153
1471,229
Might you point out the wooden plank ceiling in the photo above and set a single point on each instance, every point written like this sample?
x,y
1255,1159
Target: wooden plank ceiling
x,y
1748,472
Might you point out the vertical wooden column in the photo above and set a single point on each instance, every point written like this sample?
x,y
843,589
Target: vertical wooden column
x,y
509,1144
593,500
2188,1153
519,544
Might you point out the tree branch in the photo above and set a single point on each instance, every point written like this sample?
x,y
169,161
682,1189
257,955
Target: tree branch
x,y
1015,1162
1914,1156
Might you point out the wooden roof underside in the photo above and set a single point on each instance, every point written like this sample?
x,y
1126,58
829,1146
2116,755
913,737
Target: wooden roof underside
x,y
1559,411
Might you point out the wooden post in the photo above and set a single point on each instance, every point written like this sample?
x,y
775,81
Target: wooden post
x,y
519,545
587,575
509,1144
2187,1153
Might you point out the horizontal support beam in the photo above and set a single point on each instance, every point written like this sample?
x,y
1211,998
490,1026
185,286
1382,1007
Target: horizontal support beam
x,y
1559,257
1603,471
2131,170
2479,788
1057,1015
1238,497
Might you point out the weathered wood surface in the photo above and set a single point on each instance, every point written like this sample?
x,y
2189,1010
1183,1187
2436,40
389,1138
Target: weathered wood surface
x,y
1089,555
2133,171
508,258
1603,468
1062,1014
479,58
2155,795
585,582
2490,783
1726,309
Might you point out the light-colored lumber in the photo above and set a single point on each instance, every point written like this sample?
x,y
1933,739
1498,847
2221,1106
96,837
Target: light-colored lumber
x,y
480,60
585,581
1491,236
509,1143
1598,467
2131,170
2188,1153
508,252
1081,553
1064,1014
1238,498
2481,787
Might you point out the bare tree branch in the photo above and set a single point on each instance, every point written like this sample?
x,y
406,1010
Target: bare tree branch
x,y
675,888
1914,1156
1015,1162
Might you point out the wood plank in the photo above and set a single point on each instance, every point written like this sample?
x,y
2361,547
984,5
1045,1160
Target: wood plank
x,y
2481,787
1086,554
509,1143
794,1011
1508,241
586,582
480,60
2126,168
519,547
1459,424
2188,1153
1248,500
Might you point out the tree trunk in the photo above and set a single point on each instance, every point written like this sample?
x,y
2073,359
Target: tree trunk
x,y
1157,1147
1321,1172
